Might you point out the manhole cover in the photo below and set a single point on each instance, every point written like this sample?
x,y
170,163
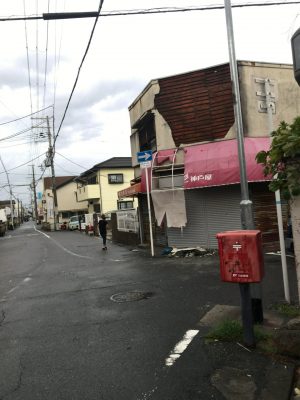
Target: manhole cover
x,y
130,296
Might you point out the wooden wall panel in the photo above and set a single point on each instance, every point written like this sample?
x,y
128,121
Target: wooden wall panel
x,y
198,105
265,215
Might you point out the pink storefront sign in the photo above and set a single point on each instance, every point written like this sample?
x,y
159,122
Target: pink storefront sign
x,y
217,163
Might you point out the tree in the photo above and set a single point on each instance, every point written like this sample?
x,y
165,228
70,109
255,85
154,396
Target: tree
x,y
282,163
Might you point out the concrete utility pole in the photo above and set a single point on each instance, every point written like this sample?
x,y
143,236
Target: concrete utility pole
x,y
50,163
247,219
34,196
51,159
10,195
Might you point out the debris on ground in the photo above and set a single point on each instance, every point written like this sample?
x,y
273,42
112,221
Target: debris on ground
x,y
188,252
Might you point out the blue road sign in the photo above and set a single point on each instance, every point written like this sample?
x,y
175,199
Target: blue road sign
x,y
144,156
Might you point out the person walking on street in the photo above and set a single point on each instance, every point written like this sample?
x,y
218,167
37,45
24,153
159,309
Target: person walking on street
x,y
102,230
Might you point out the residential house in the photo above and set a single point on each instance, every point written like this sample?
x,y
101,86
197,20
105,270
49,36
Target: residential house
x,y
67,200
12,208
100,184
67,204
188,121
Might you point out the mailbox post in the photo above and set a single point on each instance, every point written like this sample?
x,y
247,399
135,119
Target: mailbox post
x,y
241,261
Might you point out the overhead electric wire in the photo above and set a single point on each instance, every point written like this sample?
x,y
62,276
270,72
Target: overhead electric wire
x,y
22,165
27,56
163,10
37,59
56,62
69,172
25,116
85,168
46,59
78,73
15,134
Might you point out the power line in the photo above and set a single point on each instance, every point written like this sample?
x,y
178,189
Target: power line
x,y
17,133
78,73
71,161
25,116
163,10
27,55
46,59
69,172
21,165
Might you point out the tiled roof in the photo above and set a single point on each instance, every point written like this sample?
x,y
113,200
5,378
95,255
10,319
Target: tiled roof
x,y
114,162
59,180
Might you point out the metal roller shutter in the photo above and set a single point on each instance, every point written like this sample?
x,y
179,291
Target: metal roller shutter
x,y
209,211
223,211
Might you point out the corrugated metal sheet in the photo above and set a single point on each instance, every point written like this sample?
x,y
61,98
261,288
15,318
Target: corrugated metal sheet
x,y
209,211
198,105
223,211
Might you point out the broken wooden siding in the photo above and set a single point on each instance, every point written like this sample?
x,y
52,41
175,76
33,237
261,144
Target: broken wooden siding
x,y
198,105
265,215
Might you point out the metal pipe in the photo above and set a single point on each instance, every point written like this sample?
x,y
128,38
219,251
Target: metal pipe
x,y
278,199
247,219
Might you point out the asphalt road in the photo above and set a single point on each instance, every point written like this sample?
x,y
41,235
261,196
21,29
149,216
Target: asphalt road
x,y
72,325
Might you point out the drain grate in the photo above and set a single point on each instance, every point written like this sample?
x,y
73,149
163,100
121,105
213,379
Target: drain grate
x,y
131,296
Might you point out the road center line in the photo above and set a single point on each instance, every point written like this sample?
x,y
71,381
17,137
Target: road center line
x,y
62,247
181,347
42,233
16,287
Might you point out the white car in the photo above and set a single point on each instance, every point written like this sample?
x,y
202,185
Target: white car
x,y
74,223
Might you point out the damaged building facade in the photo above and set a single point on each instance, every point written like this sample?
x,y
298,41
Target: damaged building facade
x,y
187,120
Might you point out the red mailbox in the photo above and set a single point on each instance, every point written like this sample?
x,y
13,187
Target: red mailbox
x,y
241,258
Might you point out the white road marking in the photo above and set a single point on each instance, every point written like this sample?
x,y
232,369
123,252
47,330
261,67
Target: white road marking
x,y
13,289
146,396
17,287
180,347
279,254
47,236
62,247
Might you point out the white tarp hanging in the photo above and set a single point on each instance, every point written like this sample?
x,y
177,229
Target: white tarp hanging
x,y
172,204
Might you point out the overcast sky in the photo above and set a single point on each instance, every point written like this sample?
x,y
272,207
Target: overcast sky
x,y
125,54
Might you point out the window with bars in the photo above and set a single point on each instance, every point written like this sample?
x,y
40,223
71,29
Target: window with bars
x,y
123,205
115,178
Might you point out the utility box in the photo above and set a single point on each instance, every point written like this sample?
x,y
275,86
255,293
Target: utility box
x,y
241,257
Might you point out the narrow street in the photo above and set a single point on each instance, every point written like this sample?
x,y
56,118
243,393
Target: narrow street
x,y
80,323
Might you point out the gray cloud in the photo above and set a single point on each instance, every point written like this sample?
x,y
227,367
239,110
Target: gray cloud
x,y
109,95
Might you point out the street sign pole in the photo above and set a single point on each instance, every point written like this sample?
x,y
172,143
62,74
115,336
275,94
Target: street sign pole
x,y
145,158
149,212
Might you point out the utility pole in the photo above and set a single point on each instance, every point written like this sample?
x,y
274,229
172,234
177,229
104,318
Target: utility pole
x,y
251,298
49,162
10,195
34,195
51,159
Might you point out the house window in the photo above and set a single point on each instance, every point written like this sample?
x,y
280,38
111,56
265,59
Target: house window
x,y
122,205
147,137
97,208
65,214
115,178
92,180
